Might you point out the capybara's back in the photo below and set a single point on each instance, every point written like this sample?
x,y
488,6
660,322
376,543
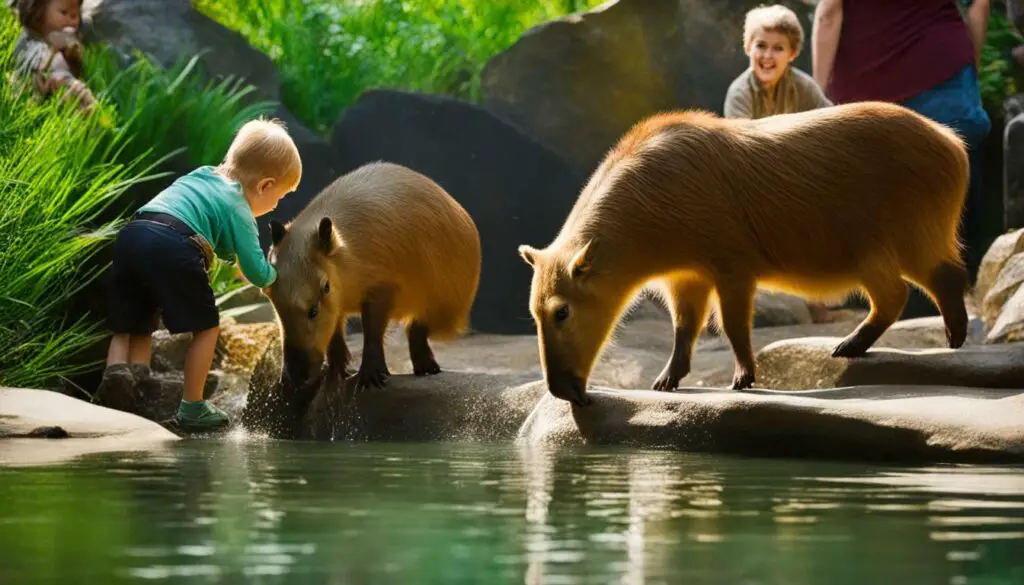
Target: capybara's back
x,y
399,226
805,202
857,196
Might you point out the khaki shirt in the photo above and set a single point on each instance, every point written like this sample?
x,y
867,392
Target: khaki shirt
x,y
795,92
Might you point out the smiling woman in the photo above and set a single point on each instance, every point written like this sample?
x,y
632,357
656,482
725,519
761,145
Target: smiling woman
x,y
772,38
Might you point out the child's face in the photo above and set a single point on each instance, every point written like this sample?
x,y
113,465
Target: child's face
x,y
59,14
770,56
267,193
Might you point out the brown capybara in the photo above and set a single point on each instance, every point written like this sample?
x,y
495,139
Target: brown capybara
x,y
820,203
383,242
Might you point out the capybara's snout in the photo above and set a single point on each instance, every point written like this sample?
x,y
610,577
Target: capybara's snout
x,y
299,366
566,386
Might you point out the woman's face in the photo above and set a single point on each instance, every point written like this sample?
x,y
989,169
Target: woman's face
x,y
770,56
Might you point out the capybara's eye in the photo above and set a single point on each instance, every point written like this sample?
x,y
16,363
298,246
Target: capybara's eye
x,y
313,312
561,313
327,287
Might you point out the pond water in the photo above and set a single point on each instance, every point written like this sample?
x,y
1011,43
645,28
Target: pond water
x,y
232,511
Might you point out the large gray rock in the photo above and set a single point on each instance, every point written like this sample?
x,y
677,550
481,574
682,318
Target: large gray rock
x,y
887,423
772,309
42,427
803,364
451,406
579,82
516,190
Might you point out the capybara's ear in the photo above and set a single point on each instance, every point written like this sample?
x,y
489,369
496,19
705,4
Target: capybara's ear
x,y
277,231
581,261
326,237
528,253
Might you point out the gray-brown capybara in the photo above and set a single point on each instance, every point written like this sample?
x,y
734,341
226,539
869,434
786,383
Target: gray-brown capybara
x,y
859,196
383,242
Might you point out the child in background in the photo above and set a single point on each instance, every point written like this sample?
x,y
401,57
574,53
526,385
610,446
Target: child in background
x,y
48,52
772,39
162,256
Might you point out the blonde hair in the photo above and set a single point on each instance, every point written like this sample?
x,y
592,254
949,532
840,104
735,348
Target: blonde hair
x,y
263,148
774,18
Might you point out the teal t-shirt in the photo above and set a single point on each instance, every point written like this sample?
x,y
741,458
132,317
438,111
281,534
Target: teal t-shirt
x,y
215,207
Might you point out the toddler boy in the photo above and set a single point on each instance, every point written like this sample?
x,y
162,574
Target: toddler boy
x,y
162,257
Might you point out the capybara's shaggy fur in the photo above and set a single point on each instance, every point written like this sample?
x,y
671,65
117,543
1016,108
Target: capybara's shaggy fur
x,y
853,197
383,242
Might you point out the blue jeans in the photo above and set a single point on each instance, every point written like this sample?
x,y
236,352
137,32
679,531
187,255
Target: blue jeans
x,y
956,103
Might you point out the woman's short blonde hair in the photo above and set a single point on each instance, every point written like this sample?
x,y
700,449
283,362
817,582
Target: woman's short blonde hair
x,y
262,148
774,18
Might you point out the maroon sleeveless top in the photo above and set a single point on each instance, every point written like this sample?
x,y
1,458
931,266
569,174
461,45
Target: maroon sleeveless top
x,y
890,50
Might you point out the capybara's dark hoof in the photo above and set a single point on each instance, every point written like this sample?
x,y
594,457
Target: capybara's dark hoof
x,y
850,347
956,339
426,367
742,380
670,377
372,374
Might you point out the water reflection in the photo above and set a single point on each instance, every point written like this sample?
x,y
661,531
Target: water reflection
x,y
280,512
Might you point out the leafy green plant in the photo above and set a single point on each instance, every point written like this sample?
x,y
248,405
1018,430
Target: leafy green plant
x,y
58,170
60,173
995,76
329,51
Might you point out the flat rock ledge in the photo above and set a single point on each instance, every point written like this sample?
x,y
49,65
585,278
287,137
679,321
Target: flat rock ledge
x,y
807,363
868,423
910,423
39,427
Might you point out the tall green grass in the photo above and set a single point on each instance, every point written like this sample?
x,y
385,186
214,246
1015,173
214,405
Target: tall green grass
x,y
327,52
60,173
175,110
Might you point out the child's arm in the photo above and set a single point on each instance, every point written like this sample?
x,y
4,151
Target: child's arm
x,y
57,72
251,261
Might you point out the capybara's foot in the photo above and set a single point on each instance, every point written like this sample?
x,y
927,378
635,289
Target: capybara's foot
x,y
859,342
742,380
948,284
956,339
850,347
675,370
373,371
422,357
425,366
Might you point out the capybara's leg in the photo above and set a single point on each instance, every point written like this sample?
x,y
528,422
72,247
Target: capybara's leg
x,y
423,362
338,355
688,303
947,284
736,305
888,294
376,309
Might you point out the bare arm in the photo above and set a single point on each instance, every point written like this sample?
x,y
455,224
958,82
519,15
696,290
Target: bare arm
x,y
977,26
828,22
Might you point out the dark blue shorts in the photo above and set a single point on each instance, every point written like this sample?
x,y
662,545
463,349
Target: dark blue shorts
x,y
158,272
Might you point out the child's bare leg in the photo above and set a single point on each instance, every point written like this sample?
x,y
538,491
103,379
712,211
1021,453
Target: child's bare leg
x,y
118,352
198,362
140,349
